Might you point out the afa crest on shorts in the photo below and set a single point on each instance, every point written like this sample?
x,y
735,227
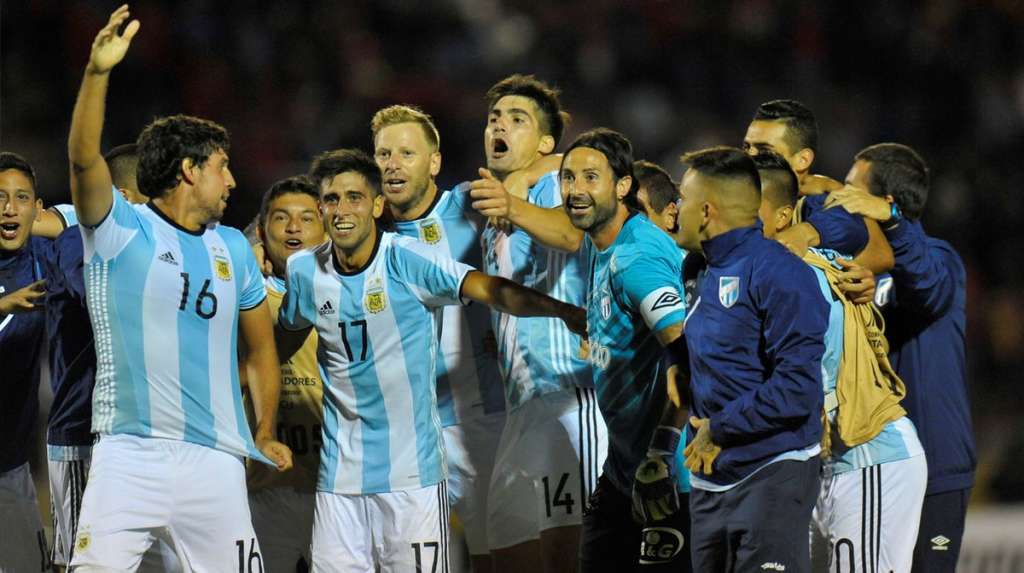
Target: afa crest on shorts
x,y
728,290
430,232
222,268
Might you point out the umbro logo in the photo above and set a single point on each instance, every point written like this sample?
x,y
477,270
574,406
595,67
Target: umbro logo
x,y
667,299
939,543
327,309
168,257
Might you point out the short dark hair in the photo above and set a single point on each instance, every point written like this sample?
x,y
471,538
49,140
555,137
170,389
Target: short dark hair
x,y
300,184
801,126
661,190
899,171
777,178
123,162
553,118
11,160
330,164
168,141
619,153
726,163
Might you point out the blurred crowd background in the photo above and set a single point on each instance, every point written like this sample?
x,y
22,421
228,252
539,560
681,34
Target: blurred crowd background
x,y
291,79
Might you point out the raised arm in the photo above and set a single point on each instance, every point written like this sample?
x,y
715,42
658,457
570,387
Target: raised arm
x,y
90,177
511,298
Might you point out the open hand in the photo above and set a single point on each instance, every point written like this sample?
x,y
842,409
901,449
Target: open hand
x,y
858,201
110,46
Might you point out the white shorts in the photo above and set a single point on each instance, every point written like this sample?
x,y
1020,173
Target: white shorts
x,y
283,520
867,519
549,459
67,487
398,531
471,447
191,497
22,541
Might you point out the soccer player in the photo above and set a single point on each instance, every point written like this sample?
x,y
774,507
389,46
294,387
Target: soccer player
x,y
924,312
554,441
375,299
885,462
469,387
168,292
789,128
657,194
22,323
756,339
635,308
282,503
73,369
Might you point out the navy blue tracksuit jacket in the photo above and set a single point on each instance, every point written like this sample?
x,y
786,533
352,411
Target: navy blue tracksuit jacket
x,y
925,323
756,338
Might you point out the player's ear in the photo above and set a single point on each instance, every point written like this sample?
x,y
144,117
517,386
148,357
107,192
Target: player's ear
x,y
435,163
802,160
622,187
187,170
378,205
39,210
668,216
783,217
547,144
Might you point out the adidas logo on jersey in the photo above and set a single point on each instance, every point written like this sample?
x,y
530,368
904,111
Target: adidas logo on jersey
x,y
168,257
327,309
939,543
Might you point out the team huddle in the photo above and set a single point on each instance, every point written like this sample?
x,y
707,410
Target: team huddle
x,y
575,361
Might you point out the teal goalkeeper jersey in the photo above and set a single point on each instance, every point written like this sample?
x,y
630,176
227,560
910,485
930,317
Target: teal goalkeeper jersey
x,y
468,382
635,291
378,330
164,304
537,355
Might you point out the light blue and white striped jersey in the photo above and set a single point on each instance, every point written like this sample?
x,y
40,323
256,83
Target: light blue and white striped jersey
x,y
164,304
378,330
898,439
537,355
635,291
66,212
468,382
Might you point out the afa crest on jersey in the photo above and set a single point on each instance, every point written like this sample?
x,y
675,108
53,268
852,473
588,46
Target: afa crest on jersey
x,y
728,290
222,268
376,300
430,232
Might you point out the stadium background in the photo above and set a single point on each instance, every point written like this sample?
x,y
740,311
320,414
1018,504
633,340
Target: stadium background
x,y
290,79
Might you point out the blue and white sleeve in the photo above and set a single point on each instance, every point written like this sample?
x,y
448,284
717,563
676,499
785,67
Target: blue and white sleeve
x,y
253,289
298,307
114,232
67,214
435,279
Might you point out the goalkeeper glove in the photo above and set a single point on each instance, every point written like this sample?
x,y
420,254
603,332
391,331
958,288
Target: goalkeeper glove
x,y
654,488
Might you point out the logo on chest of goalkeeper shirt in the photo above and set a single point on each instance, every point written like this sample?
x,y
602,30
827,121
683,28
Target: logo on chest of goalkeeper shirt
x,y
728,291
